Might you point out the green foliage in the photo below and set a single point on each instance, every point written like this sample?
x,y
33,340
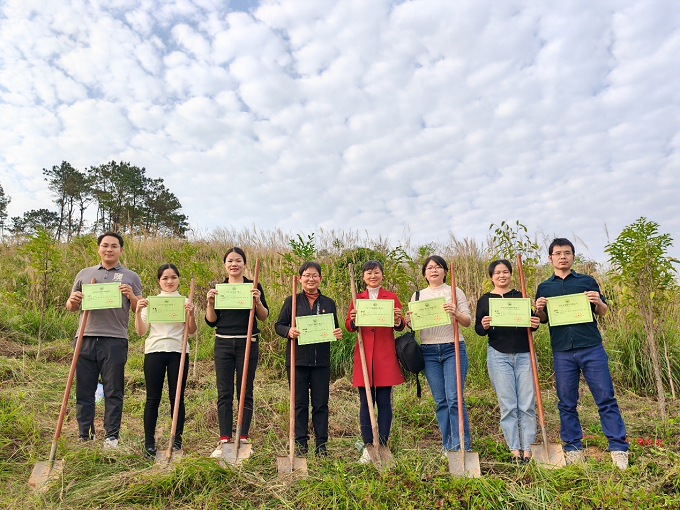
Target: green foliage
x,y
4,202
507,241
34,220
128,201
642,267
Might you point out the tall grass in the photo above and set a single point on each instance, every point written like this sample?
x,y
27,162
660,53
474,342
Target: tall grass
x,y
201,256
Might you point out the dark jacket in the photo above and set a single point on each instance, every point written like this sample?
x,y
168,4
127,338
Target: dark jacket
x,y
235,322
312,355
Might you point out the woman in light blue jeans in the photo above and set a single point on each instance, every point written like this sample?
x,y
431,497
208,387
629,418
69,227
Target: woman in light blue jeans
x,y
439,353
509,364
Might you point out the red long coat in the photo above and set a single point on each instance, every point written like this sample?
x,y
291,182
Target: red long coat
x,y
381,356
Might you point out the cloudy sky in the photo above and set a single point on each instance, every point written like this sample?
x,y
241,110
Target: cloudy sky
x,y
424,116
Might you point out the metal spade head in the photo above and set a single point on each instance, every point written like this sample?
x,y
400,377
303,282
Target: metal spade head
x,y
234,453
298,465
44,472
548,456
464,464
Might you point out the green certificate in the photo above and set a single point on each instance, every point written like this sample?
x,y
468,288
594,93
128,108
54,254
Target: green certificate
x,y
166,308
510,312
99,296
315,328
569,309
234,296
428,313
375,312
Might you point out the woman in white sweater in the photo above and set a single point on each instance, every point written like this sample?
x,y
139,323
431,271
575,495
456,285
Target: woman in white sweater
x,y
436,344
162,352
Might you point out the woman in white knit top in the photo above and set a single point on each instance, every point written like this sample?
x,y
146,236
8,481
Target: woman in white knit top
x,y
162,352
436,344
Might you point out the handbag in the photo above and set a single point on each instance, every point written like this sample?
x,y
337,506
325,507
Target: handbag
x,y
409,354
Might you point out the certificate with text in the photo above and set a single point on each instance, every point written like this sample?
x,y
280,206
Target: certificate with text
x,y
375,312
428,313
166,308
569,309
234,296
315,329
510,312
100,296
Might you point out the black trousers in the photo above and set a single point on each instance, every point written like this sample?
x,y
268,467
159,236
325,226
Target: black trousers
x,y
229,354
105,356
156,364
314,382
382,397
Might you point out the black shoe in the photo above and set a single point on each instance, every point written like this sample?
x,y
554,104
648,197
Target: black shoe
x,y
517,460
150,451
301,449
321,451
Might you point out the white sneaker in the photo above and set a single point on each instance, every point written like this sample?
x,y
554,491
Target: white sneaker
x,y
574,456
217,454
620,459
365,457
110,442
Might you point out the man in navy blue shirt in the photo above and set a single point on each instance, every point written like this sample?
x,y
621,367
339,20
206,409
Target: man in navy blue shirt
x,y
577,349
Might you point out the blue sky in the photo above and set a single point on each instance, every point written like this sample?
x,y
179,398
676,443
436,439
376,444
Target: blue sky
x,y
418,118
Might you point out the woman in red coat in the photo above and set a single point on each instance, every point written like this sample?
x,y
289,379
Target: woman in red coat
x,y
381,359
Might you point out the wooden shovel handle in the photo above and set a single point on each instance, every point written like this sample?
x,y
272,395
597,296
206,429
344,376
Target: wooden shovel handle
x,y
249,338
364,366
532,352
459,378
69,379
293,341
180,377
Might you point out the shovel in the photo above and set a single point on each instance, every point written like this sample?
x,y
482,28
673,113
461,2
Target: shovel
x,y
547,455
461,463
44,471
380,455
235,452
165,457
289,463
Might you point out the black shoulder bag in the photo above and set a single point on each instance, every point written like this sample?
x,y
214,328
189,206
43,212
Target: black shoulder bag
x,y
409,354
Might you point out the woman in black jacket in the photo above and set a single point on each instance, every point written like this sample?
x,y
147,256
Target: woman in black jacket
x,y
509,365
312,362
230,345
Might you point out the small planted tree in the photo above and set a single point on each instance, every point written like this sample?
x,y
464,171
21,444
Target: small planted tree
x,y
646,277
45,260
507,240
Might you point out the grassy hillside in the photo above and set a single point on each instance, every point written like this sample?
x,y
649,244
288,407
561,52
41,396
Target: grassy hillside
x,y
30,393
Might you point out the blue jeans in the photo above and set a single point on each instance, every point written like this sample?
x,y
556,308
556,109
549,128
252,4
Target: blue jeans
x,y
440,371
513,383
592,362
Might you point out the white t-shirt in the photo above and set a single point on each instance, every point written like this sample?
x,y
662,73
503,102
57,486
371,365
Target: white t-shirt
x,y
163,336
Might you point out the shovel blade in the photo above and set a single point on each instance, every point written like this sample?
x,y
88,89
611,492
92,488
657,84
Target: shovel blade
x,y
549,456
284,466
235,454
44,472
466,464
163,459
381,456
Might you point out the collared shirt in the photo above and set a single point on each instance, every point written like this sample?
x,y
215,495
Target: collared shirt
x,y
111,322
572,336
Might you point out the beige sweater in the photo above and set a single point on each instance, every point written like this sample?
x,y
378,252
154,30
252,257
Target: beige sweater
x,y
442,334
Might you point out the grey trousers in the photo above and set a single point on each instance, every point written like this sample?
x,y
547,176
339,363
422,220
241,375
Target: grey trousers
x,y
105,356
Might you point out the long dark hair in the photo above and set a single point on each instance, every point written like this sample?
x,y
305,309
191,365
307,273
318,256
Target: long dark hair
x,y
162,269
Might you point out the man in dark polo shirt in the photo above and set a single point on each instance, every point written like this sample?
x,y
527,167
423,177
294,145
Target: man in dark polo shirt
x,y
105,342
577,349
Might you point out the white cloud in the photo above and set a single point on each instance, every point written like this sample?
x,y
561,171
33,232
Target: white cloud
x,y
431,114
